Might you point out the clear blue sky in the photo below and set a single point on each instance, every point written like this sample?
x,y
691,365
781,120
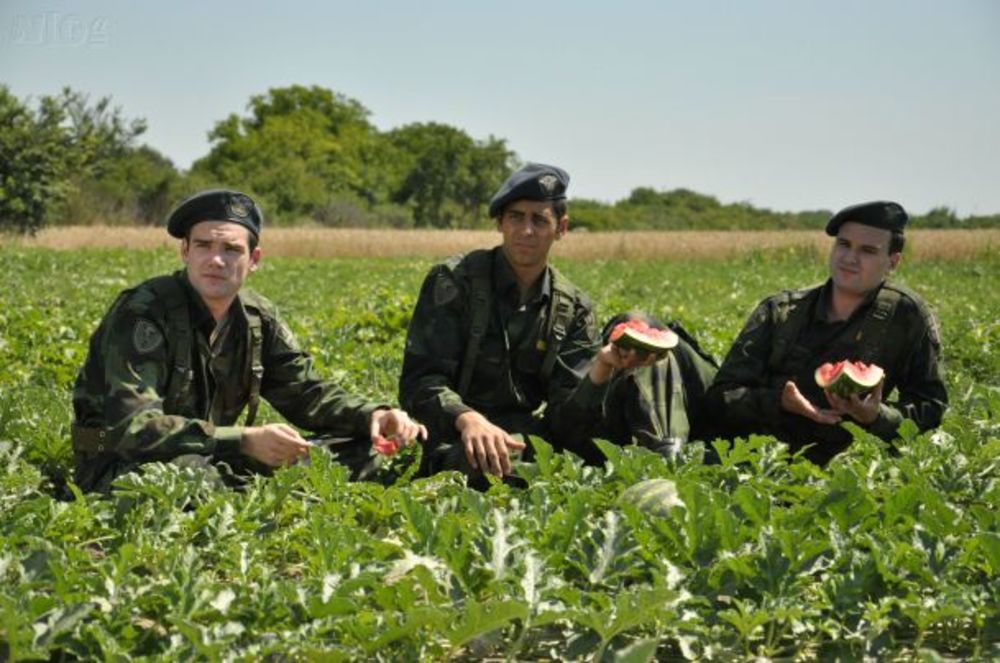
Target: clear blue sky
x,y
790,105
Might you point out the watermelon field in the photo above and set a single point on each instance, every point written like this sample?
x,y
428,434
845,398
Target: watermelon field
x,y
892,557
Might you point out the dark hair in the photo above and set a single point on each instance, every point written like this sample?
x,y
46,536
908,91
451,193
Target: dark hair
x,y
896,241
252,239
559,209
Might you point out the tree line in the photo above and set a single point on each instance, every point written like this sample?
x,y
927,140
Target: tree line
x,y
310,155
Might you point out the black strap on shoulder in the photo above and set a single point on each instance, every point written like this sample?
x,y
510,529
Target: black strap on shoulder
x,y
170,292
561,308
481,300
876,325
256,365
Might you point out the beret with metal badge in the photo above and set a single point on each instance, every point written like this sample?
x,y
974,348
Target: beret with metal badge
x,y
215,205
536,181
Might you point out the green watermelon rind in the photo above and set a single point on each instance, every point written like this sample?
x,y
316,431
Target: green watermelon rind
x,y
652,496
633,338
847,384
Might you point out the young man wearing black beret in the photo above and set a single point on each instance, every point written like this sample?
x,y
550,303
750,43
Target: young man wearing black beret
x,y
177,359
766,383
496,334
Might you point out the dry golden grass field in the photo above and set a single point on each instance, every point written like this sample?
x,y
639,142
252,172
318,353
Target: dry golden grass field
x,y
638,245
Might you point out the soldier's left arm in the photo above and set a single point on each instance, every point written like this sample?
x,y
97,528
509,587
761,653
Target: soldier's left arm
x,y
920,379
573,402
294,388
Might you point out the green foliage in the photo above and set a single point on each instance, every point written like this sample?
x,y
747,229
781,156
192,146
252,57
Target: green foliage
x,y
312,154
447,177
761,556
43,152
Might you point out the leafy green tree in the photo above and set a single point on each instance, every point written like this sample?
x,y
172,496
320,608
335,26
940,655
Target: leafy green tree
x,y
45,152
449,176
298,147
138,185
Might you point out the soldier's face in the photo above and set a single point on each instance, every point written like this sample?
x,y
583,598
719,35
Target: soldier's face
x,y
529,227
218,259
860,258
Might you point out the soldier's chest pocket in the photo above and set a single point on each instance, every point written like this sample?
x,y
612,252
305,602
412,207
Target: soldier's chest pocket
x,y
528,360
492,357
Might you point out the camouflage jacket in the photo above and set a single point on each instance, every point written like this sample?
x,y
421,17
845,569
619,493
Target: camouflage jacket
x,y
507,384
147,405
747,389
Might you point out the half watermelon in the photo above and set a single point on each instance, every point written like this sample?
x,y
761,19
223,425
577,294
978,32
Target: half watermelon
x,y
638,335
845,378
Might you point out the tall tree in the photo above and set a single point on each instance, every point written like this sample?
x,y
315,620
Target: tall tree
x,y
448,175
47,151
297,147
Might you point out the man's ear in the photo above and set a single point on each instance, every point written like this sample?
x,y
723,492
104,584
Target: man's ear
x,y
562,226
255,256
894,260
184,249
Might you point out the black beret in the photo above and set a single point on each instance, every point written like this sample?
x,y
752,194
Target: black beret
x,y
215,205
880,214
536,181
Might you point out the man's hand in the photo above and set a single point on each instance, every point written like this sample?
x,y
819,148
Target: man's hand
x,y
487,446
396,425
793,401
613,357
274,444
862,410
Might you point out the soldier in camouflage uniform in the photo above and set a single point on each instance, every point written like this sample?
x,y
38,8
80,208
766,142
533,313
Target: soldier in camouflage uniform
x,y
498,333
766,384
177,358
655,400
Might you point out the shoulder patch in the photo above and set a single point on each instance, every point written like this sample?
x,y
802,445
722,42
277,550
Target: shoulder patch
x,y
146,337
445,289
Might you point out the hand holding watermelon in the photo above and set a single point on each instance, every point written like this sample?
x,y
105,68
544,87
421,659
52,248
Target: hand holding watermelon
x,y
391,430
852,388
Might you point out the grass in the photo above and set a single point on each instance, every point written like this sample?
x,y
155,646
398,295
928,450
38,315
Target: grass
x,y
639,245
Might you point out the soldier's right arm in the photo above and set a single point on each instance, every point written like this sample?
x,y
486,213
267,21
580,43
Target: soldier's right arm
x,y
741,394
435,346
136,372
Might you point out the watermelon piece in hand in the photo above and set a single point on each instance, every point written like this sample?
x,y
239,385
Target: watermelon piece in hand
x,y
638,335
846,378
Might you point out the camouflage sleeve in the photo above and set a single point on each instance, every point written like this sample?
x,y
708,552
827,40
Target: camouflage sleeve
x,y
292,386
698,374
574,402
136,372
740,395
922,394
435,343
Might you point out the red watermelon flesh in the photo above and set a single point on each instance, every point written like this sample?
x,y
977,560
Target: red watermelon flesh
x,y
844,378
638,335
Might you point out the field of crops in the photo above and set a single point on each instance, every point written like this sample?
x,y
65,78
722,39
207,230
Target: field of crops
x,y
877,555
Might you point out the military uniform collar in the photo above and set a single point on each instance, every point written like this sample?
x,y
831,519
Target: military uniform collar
x,y
826,294
504,279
